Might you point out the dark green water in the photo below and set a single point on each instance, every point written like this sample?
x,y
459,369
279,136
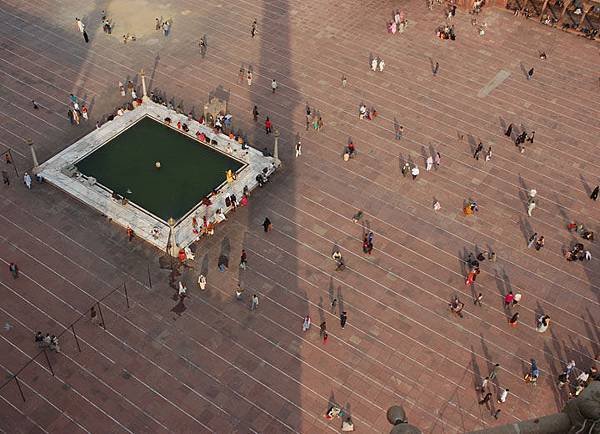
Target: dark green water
x,y
189,170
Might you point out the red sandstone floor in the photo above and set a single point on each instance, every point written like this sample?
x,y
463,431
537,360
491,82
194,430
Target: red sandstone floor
x,y
219,367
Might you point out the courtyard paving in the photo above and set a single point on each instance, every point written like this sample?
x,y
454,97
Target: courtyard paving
x,y
209,364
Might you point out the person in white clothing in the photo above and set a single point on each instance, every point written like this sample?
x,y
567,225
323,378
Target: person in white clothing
x,y
374,64
503,395
414,172
429,163
27,180
202,282
381,65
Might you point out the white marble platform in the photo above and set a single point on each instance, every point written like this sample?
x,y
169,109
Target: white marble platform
x,y
141,221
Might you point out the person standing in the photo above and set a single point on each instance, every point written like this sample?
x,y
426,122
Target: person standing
x,y
530,74
488,154
202,282
502,396
273,85
414,172
306,323
530,137
298,148
334,305
249,78
130,233
14,270
5,178
254,303
255,113
27,180
81,28
253,29
478,299
343,319
267,225
268,125
35,106
437,159
344,81
429,163
543,323
595,192
539,243
39,339
484,384
243,260
94,315
436,67
508,132
508,299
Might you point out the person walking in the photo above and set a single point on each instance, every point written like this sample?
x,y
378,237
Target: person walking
x,y
334,305
273,85
35,106
508,132
531,202
484,384
27,180
532,239
497,413
267,225
343,319
494,371
94,315
543,323
243,260
595,192
254,303
253,29
502,396
14,270
530,74
436,67
478,150
203,46
54,346
298,148
249,78
539,243
268,126
486,399
81,28
530,137
202,282
514,320
344,81
130,233
478,299
306,323
508,299
255,113
39,339
437,159
5,178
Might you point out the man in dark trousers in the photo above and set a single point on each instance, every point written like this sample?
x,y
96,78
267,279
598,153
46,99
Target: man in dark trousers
x,y
508,132
343,319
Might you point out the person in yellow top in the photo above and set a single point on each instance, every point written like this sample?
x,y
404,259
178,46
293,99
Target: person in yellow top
x,y
229,175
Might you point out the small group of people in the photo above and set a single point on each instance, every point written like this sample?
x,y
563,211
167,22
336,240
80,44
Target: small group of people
x,y
47,341
313,118
472,263
536,241
577,252
165,26
76,113
580,229
365,113
398,24
411,169
349,151
446,32
246,74
107,24
579,383
377,64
